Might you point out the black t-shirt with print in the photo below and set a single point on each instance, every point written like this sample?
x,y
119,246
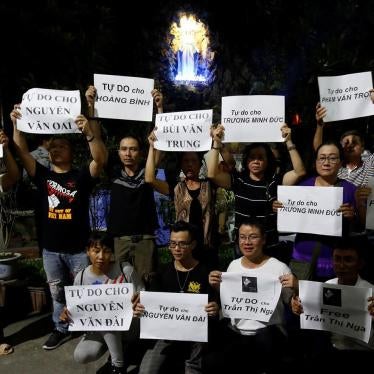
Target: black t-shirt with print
x,y
168,279
64,199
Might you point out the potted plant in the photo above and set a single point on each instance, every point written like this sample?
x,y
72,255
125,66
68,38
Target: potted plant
x,y
33,274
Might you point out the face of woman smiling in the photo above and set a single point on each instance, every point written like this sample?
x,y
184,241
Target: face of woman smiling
x,y
328,161
251,242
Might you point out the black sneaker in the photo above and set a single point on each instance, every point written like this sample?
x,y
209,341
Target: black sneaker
x,y
56,339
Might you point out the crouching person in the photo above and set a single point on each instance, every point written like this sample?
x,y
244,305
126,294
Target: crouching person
x,y
183,274
103,270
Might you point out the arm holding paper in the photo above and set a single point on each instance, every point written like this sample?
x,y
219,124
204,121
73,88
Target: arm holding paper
x,y
292,176
318,135
150,167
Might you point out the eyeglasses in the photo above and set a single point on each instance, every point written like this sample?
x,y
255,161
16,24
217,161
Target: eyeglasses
x,y
331,160
251,238
182,244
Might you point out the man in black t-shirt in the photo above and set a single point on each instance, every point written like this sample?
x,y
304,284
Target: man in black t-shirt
x,y
183,274
64,198
132,215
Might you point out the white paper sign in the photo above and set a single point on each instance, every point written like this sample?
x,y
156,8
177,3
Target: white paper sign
x,y
47,111
120,97
336,308
184,131
256,118
102,307
310,209
346,96
1,151
174,316
370,206
249,297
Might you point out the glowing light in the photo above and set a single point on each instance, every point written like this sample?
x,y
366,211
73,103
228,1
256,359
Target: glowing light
x,y
190,45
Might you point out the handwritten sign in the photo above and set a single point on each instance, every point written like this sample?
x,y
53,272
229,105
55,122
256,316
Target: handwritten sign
x,y
336,308
1,151
311,210
47,111
120,97
249,296
174,316
346,96
184,131
255,118
100,307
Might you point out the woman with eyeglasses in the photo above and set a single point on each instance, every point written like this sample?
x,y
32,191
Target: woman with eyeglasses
x,y
255,186
329,158
244,337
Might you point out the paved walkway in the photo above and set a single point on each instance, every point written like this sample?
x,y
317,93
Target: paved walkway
x,y
28,336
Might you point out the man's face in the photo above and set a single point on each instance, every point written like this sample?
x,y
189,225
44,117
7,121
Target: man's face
x,y
347,264
181,245
352,146
129,152
60,151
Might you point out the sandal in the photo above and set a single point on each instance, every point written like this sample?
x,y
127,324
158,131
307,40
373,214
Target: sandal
x,y
6,349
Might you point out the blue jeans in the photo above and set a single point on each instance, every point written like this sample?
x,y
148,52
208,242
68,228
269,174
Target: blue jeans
x,y
61,268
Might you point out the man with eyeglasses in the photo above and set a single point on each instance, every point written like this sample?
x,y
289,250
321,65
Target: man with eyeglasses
x,y
183,274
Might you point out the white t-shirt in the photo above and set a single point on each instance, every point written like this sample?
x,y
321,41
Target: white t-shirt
x,y
272,268
346,342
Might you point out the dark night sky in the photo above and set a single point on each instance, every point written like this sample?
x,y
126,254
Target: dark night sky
x,y
261,46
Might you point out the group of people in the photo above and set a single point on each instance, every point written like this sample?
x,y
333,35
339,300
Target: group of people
x,y
127,253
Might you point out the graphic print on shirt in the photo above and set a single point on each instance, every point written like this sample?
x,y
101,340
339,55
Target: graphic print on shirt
x,y
60,199
194,287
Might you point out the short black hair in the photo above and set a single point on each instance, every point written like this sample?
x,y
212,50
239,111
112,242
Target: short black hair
x,y
180,155
271,166
185,226
356,243
354,133
101,238
252,221
336,144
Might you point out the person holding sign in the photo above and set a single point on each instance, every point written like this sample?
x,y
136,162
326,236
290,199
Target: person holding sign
x,y
347,263
132,216
329,158
255,187
353,169
7,180
193,197
262,339
183,274
102,271
64,198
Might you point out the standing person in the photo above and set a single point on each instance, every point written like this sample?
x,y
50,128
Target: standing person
x,y
184,274
7,180
103,270
262,339
255,187
64,195
194,197
348,261
132,216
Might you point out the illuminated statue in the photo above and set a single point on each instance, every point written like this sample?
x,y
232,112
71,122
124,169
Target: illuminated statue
x,y
190,44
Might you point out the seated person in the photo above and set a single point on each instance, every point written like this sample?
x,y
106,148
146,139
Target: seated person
x,y
103,271
347,262
183,274
244,337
